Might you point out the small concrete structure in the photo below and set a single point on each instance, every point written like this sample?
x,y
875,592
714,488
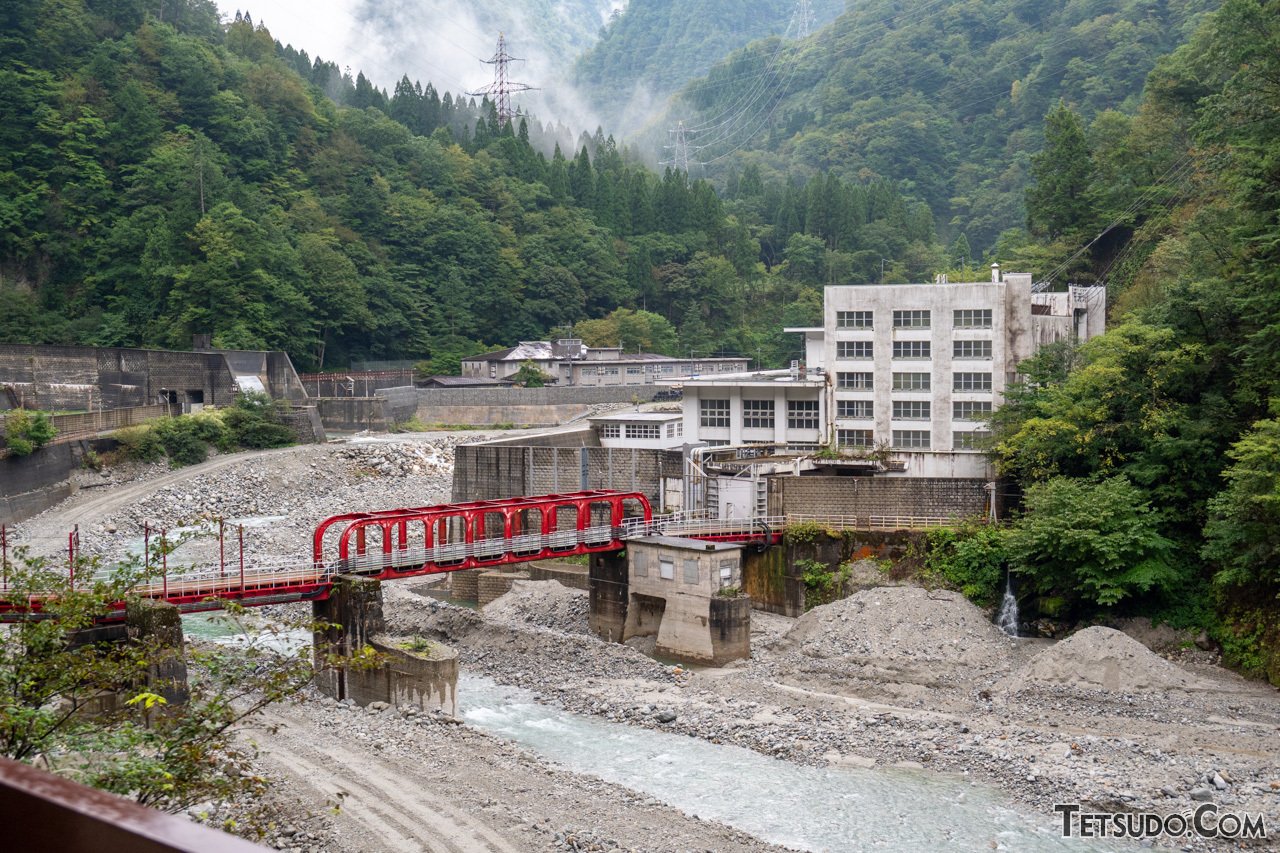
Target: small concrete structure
x,y
644,430
160,623
424,678
687,593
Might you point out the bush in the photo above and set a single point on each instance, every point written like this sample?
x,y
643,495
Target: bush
x,y
971,558
181,442
25,432
254,422
140,442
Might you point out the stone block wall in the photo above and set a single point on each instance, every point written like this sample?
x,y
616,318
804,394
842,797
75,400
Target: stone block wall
x,y
31,484
920,497
494,585
567,574
353,414
489,472
464,584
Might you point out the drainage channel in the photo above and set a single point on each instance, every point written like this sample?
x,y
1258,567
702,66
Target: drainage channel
x,y
808,808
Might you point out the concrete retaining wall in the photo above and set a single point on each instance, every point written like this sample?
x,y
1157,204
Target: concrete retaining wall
x,y
494,585
568,574
548,406
921,497
490,472
464,584
31,484
353,414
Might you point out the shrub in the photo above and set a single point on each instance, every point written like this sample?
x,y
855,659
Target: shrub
x,y
25,432
181,441
140,442
254,422
970,557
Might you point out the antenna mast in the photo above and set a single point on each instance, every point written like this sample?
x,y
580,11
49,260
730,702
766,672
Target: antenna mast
x,y
503,86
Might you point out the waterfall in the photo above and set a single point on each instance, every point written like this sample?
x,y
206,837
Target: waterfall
x,y
1007,617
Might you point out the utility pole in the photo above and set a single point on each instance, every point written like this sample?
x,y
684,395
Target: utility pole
x,y
503,86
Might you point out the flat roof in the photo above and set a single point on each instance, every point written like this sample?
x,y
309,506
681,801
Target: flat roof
x,y
639,416
688,544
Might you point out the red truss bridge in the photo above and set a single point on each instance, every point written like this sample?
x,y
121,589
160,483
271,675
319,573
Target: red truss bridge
x,y
403,543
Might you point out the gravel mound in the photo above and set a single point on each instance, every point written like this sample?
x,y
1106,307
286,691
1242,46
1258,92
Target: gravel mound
x,y
896,626
1103,659
547,604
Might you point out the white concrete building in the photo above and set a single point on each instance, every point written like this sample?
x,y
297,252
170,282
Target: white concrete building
x,y
642,430
570,362
910,371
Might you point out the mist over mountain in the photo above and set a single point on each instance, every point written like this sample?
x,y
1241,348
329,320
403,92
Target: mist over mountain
x,y
654,47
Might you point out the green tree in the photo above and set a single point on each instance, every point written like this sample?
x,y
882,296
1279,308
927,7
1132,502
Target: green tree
x,y
1243,532
1060,203
529,376
1095,540
25,433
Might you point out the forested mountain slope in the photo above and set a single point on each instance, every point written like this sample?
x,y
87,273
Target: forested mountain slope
x,y
654,47
947,97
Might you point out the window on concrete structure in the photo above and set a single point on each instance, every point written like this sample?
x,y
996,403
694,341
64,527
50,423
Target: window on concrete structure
x,y
971,382
853,319
911,349
727,568
911,319
910,439
911,382
757,414
971,349
802,446
910,410
640,563
611,431
717,442
588,371
802,414
856,381
609,371
714,413
644,430
853,349
855,409
671,429
854,437
668,368
690,571
975,440
667,568
972,318
966,410
635,371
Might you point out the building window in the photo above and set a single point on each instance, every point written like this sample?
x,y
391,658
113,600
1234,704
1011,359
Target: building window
x,y
973,318
667,568
911,349
717,442
609,371
855,409
910,439
635,371
853,437
856,381
911,382
910,410
644,430
971,349
757,414
971,382
911,319
611,431
853,319
640,562
715,413
675,429
588,371
727,568
802,414
969,411
690,571
667,368
853,349
975,440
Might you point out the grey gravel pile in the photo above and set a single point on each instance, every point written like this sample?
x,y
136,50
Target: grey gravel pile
x,y
546,604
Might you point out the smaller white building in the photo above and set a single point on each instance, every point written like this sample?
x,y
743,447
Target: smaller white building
x,y
640,430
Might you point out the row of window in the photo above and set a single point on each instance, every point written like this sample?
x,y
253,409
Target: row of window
x,y
640,370
914,381
758,414
914,410
667,568
912,439
961,318
611,430
913,349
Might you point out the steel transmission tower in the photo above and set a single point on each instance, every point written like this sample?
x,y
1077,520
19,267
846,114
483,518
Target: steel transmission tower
x,y
804,19
503,86
679,149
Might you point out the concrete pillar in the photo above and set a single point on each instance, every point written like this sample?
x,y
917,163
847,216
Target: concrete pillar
x,y
780,415
353,612
160,624
730,624
608,591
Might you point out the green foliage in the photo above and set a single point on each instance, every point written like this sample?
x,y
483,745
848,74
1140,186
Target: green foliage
x,y
26,432
970,557
822,585
1243,531
529,376
254,422
1060,202
140,442
804,533
1095,540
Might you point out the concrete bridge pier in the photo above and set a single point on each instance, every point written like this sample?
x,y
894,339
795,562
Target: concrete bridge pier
x,y
422,675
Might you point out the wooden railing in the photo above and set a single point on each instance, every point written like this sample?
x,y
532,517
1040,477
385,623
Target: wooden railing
x,y
89,424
